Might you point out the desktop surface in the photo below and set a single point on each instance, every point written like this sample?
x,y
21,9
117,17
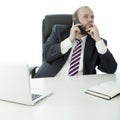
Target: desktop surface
x,y
68,102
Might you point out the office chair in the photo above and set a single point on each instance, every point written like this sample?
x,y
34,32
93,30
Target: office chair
x,y
32,70
50,20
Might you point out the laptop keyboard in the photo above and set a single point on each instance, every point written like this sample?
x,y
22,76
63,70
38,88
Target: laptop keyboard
x,y
35,96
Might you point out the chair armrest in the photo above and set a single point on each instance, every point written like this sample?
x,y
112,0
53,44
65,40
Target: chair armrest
x,y
33,70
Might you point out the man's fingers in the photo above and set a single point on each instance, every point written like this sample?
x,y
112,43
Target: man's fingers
x,y
78,25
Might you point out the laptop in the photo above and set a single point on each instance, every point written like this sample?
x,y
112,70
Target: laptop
x,y
15,85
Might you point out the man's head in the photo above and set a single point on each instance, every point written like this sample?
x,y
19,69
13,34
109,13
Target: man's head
x,y
85,15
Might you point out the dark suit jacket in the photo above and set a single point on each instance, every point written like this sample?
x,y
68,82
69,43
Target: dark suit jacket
x,y
54,59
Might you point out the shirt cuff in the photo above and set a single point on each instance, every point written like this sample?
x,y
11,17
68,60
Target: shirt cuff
x,y
65,45
101,47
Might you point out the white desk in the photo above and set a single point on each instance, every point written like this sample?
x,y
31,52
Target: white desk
x,y
68,102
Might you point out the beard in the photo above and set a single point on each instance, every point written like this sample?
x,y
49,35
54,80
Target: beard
x,y
83,30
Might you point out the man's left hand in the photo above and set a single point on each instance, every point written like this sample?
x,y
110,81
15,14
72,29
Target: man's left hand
x,y
93,32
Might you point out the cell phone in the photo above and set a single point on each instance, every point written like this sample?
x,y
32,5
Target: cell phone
x,y
82,29
76,21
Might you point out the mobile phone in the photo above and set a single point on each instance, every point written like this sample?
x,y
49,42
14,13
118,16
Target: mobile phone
x,y
76,21
82,29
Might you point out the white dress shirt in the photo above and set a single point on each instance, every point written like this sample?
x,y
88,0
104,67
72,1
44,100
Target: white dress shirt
x,y
67,44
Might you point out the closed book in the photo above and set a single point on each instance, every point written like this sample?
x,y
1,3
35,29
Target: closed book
x,y
106,90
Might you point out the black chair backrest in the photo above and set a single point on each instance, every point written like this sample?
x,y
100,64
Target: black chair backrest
x,y
50,20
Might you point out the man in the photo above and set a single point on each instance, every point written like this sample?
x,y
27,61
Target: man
x,y
93,52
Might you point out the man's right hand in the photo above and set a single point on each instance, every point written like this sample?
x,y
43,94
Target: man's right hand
x,y
75,32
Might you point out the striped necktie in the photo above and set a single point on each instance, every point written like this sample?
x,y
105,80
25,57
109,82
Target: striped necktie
x,y
75,59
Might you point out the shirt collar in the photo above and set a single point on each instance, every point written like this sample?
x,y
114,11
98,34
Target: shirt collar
x,y
84,39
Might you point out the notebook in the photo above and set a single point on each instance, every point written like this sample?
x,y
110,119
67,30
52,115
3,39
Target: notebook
x,y
15,85
106,90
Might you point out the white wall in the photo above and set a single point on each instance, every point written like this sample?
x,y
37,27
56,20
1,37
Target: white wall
x,y
20,26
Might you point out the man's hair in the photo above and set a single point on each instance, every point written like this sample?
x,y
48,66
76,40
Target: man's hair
x,y
75,14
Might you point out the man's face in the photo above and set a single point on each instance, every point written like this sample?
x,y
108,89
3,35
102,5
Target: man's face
x,y
86,17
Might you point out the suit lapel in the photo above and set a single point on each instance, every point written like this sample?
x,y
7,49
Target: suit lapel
x,y
89,47
88,52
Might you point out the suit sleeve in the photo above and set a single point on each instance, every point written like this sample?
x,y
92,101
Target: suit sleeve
x,y
52,50
107,63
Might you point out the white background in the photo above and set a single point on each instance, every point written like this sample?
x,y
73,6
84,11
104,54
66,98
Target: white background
x,y
21,20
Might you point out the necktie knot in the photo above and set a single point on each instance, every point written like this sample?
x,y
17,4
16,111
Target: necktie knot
x,y
78,40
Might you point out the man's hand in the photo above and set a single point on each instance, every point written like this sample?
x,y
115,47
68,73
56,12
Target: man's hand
x,y
93,32
75,32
